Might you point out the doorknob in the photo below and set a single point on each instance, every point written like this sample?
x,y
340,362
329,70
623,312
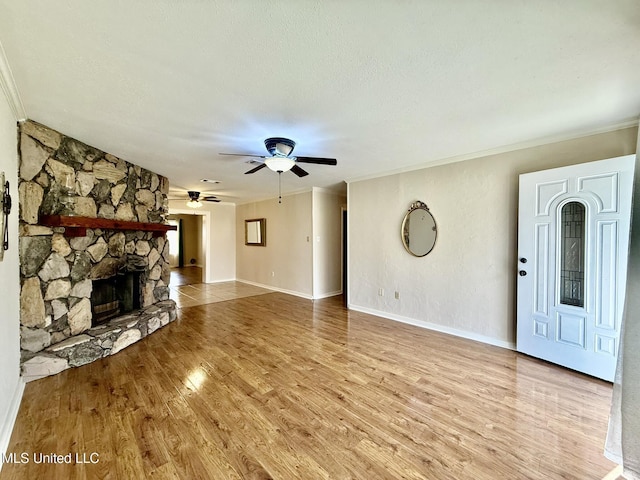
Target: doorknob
x,y
523,260
522,273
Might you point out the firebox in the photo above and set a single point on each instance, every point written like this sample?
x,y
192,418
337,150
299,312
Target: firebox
x,y
114,296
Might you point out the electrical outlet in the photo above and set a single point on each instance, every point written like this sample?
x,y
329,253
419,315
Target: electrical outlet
x,y
273,274
381,292
397,295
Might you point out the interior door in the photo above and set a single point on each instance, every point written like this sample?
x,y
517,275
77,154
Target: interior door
x,y
573,239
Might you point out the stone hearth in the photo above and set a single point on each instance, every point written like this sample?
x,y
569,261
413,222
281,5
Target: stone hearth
x,y
98,342
62,176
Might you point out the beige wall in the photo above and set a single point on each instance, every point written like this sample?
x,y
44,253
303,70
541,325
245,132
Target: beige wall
x,y
327,246
10,383
286,262
627,383
466,285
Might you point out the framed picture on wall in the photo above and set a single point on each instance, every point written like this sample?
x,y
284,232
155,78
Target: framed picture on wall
x,y
255,232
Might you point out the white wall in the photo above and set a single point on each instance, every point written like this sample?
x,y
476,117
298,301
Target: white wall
x,y
327,246
466,285
11,386
218,237
222,259
286,262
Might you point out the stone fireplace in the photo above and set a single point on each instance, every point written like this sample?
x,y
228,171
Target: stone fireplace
x,y
93,254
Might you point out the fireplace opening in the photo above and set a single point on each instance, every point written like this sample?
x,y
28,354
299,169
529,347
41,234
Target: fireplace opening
x,y
115,296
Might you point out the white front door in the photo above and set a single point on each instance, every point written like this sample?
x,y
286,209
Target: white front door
x,y
573,239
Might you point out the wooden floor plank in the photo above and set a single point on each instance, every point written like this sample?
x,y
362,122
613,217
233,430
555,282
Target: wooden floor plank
x,y
275,386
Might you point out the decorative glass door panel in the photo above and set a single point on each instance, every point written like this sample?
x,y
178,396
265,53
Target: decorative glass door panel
x,y
572,267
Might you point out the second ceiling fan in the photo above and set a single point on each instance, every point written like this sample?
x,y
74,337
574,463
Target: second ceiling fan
x,y
281,159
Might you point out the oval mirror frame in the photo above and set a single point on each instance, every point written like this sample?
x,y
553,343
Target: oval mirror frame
x,y
418,231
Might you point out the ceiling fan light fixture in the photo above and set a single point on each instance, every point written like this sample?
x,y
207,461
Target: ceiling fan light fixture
x,y
193,200
279,164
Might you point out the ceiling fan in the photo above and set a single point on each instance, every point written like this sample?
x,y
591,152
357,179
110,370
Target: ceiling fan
x,y
281,159
195,200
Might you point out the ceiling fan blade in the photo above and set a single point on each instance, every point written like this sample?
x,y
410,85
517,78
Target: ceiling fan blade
x,y
243,155
254,170
299,171
318,160
211,199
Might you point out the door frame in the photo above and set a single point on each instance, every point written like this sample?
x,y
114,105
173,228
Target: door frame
x,y
206,240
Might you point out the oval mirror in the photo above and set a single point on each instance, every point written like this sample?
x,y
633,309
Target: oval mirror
x,y
418,230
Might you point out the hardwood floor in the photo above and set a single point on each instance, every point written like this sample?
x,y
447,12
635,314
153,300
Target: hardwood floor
x,y
185,276
274,386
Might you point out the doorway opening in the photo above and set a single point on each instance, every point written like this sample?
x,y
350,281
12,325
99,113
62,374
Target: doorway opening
x,y
187,248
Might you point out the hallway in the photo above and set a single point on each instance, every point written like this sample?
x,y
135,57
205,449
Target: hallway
x,y
187,289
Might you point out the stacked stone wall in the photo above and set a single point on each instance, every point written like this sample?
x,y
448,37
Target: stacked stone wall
x,y
59,175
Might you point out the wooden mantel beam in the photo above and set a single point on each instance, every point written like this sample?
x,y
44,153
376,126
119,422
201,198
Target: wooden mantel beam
x,y
77,226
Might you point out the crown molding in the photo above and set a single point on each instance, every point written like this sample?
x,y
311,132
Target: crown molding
x,y
10,89
275,197
329,191
295,192
628,123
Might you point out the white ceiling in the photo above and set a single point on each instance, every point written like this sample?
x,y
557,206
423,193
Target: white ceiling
x,y
379,85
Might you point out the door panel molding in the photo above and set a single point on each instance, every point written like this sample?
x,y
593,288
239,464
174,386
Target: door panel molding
x,y
604,189
606,273
606,345
571,329
546,193
541,273
584,336
541,328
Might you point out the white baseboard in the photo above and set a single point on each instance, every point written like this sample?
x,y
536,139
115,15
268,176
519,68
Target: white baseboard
x,y
328,294
276,289
614,474
435,327
217,280
9,421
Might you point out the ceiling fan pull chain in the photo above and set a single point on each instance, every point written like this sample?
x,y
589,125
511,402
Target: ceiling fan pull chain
x,y
279,187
